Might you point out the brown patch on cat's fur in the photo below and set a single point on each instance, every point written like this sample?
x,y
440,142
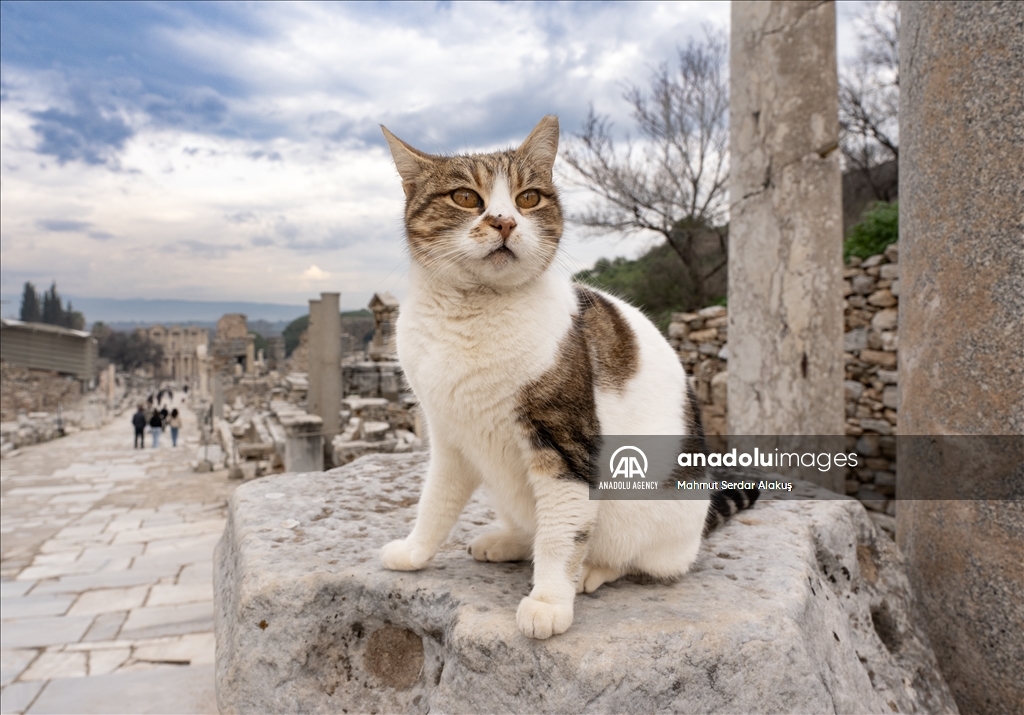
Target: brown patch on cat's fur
x,y
559,412
614,353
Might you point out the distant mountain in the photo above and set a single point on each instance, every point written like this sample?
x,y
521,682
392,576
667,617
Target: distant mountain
x,y
141,311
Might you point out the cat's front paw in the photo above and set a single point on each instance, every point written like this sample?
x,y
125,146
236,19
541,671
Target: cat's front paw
x,y
539,619
402,556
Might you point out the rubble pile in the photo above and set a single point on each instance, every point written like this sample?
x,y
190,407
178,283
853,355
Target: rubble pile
x,y
33,391
40,405
870,342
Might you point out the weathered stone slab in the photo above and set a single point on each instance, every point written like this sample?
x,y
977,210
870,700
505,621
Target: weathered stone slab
x,y
794,606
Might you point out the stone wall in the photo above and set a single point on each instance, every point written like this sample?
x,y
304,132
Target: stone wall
x,y
870,341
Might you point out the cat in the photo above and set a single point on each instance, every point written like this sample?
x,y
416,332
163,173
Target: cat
x,y
518,372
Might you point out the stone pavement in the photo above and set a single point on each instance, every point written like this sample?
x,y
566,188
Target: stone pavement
x,y
107,597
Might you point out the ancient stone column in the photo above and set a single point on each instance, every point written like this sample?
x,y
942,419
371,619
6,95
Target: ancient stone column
x,y
961,322
250,356
111,385
329,357
785,231
313,351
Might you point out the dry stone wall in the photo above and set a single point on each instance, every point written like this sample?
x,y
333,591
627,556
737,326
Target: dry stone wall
x,y
871,289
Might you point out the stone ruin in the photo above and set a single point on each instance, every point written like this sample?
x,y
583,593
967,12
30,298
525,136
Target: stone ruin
x,y
871,289
794,606
271,423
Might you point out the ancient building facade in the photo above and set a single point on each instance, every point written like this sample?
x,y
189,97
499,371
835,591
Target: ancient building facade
x,y
180,344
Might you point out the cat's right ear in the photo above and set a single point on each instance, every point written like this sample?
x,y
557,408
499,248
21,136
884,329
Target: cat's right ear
x,y
409,162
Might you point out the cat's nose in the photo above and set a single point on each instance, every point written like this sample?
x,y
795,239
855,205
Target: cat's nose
x,y
504,225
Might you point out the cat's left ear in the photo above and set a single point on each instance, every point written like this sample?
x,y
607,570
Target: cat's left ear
x,y
410,162
541,147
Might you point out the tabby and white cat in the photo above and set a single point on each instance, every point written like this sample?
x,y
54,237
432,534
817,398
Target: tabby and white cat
x,y
519,372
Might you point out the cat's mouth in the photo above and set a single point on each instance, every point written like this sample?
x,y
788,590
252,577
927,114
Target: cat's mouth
x,y
501,255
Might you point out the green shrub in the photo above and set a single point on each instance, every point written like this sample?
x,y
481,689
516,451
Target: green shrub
x,y
878,227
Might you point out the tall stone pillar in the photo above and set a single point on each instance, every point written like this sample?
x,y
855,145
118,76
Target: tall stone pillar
x,y
785,230
961,322
250,356
329,356
111,385
313,353
203,367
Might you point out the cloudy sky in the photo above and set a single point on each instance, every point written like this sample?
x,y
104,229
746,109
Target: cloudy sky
x,y
232,152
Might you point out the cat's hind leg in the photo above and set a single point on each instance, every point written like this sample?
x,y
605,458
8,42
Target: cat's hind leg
x,y
449,485
506,544
593,577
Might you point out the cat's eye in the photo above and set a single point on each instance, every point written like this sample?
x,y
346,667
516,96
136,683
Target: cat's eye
x,y
467,198
528,199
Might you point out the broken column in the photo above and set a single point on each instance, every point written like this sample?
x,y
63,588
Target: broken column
x,y
312,347
328,358
785,232
961,357
304,442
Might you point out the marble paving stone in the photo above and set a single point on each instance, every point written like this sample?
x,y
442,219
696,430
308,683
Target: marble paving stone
x,y
201,572
38,632
149,622
78,567
109,599
163,689
18,696
197,648
124,525
57,665
57,557
107,660
106,579
106,626
33,606
93,554
162,595
13,662
14,588
189,543
195,528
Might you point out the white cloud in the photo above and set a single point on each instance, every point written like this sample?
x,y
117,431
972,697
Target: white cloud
x,y
265,160
314,273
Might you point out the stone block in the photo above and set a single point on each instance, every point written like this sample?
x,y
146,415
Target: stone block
x,y
890,271
854,340
882,298
703,336
878,357
885,319
794,606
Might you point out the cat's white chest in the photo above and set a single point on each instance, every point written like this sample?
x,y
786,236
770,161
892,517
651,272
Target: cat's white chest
x,y
469,363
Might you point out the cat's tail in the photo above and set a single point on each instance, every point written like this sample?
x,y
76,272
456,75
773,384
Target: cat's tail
x,y
725,503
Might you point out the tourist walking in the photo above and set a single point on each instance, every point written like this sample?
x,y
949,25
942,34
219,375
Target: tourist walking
x,y
156,426
174,422
139,423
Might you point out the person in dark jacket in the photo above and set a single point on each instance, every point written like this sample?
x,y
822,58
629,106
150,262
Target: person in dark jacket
x,y
156,426
139,423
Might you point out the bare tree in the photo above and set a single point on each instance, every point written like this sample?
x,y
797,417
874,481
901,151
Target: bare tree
x,y
673,181
869,93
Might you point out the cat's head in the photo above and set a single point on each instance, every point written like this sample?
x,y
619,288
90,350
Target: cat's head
x,y
483,220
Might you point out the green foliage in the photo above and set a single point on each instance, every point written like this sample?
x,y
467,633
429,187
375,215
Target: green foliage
x,y
358,323
30,304
657,282
878,227
293,332
127,350
50,310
